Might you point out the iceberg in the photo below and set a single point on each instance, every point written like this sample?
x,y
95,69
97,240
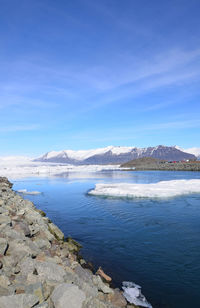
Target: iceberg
x,y
132,293
163,189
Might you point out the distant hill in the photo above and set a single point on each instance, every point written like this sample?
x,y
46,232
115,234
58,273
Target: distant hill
x,y
144,161
150,163
114,155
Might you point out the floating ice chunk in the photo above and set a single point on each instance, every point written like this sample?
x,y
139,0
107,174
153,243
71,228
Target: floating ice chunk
x,y
163,189
132,292
25,192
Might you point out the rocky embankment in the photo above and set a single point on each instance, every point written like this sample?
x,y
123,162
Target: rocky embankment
x,y
38,268
148,163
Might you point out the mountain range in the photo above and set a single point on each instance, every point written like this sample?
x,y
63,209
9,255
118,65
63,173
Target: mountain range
x,y
116,155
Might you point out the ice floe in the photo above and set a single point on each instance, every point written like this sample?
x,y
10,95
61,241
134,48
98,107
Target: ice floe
x,y
163,189
132,292
25,192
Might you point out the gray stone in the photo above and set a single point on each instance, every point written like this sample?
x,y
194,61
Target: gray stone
x,y
68,296
43,305
3,211
83,273
101,286
3,246
19,250
5,291
94,302
22,227
37,290
4,219
35,229
50,271
18,301
59,235
88,287
13,234
27,266
1,202
4,281
42,243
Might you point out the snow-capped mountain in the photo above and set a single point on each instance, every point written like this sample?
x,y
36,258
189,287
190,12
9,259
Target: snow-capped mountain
x,y
114,155
194,151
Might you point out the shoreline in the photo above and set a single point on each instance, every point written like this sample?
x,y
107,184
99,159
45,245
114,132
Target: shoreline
x,y
162,167
40,268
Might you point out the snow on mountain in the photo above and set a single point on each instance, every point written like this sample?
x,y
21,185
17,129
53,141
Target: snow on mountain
x,y
113,155
194,151
84,154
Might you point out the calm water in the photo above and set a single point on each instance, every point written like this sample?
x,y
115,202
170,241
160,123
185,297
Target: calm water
x,y
155,243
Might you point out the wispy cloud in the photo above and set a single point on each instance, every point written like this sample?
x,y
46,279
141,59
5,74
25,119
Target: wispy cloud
x,y
19,128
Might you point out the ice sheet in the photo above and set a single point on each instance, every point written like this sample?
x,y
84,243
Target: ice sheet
x,y
164,189
13,167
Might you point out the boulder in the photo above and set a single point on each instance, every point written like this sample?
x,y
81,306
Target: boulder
x,y
101,286
18,301
50,271
4,219
37,290
117,299
59,235
68,296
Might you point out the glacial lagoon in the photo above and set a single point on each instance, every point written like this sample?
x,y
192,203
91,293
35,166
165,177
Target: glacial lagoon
x,y
153,242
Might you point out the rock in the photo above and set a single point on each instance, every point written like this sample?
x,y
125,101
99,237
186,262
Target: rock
x,y
117,299
4,219
5,291
59,235
83,273
43,305
4,180
38,268
42,244
50,271
22,227
101,286
88,287
4,281
27,266
68,296
94,303
37,290
18,301
19,250
73,246
3,246
42,213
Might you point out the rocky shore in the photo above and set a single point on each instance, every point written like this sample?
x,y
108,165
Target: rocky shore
x,y
38,268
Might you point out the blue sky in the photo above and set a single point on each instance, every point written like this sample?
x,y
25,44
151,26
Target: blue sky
x,y
86,73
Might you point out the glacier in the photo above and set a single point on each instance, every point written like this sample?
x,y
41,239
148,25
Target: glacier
x,y
18,167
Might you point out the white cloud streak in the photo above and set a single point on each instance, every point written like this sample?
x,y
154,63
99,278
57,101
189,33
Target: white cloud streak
x,y
19,128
